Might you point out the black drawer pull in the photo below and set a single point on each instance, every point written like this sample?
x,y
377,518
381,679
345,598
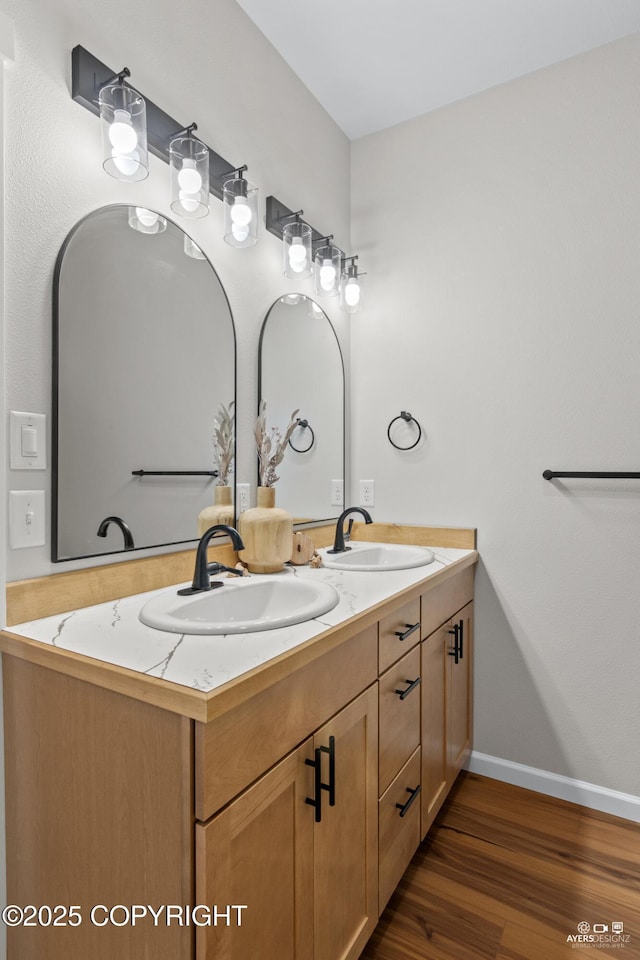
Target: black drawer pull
x,y
461,637
403,694
457,650
411,628
319,786
404,807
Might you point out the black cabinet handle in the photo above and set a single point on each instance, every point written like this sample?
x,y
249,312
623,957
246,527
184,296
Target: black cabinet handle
x,y
319,786
456,648
316,801
404,807
403,694
331,750
411,627
461,636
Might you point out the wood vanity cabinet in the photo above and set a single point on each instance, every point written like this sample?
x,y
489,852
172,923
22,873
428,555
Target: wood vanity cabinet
x,y
425,717
459,692
447,690
298,803
399,745
299,848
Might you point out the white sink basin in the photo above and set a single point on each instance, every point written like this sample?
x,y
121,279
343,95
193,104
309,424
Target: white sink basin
x,y
377,556
241,605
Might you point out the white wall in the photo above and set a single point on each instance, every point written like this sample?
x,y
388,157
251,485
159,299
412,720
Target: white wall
x,y
202,62
501,238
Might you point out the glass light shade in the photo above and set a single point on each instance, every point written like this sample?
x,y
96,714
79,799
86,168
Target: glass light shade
x,y
327,264
291,299
351,291
123,116
146,221
192,249
189,166
240,198
296,247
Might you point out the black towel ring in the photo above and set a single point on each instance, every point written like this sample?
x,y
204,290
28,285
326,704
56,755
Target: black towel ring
x,y
408,419
304,425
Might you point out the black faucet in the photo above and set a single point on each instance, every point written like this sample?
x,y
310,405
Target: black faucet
x,y
201,579
119,522
338,543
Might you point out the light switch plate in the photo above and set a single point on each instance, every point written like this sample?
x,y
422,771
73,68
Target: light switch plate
x,y
27,441
26,518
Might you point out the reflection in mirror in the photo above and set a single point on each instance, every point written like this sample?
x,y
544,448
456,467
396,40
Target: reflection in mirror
x,y
144,356
301,368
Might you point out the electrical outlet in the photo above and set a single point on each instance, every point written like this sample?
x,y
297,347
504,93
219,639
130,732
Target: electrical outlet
x,y
367,493
337,493
243,492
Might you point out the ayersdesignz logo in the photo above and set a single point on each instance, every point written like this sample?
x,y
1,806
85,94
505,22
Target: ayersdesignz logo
x,y
599,935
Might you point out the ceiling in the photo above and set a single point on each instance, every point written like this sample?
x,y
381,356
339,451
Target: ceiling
x,y
374,63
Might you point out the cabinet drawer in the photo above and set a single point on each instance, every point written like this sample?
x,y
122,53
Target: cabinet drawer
x,y
443,601
235,749
399,836
395,636
399,715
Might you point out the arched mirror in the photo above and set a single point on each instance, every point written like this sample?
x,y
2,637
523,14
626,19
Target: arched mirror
x,y
301,368
144,356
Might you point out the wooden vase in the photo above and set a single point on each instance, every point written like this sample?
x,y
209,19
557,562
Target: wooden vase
x,y
267,532
220,512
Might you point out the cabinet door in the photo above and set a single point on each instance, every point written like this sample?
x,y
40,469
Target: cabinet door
x,y
258,852
346,838
459,693
434,749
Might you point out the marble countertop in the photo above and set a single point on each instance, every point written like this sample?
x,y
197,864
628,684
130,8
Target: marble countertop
x,y
112,633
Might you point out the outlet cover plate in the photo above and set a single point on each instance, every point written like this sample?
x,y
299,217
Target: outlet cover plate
x,y
367,493
337,493
243,494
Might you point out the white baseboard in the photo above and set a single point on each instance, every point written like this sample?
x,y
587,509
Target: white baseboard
x,y
624,805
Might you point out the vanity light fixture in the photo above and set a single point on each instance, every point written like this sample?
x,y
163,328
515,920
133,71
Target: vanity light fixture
x,y
296,248
189,166
146,221
351,286
124,129
327,264
94,86
240,198
299,240
192,249
292,299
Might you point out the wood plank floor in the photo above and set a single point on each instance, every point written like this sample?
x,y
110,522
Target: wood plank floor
x,y
507,874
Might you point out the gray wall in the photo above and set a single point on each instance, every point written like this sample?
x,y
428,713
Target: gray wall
x,y
202,62
222,73
501,238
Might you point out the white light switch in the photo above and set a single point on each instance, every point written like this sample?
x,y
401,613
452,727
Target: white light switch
x,y
27,436
26,518
29,442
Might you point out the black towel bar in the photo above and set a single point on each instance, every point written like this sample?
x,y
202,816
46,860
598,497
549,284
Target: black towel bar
x,y
595,475
174,473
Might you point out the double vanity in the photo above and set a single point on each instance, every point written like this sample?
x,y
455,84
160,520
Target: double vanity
x,y
280,779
